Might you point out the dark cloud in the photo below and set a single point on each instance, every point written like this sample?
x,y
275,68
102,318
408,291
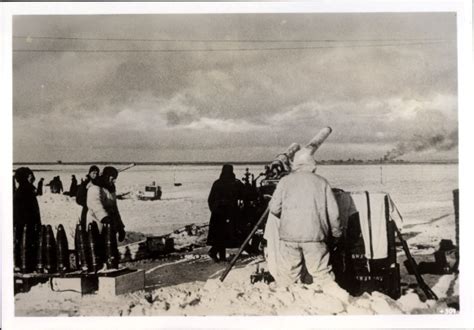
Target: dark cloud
x,y
373,96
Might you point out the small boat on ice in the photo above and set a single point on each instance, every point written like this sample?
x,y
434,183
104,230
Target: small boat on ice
x,y
152,192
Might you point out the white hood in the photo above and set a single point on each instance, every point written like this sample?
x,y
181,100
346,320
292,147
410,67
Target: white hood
x,y
304,161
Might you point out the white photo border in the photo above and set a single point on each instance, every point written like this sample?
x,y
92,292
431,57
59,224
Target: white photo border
x,y
463,8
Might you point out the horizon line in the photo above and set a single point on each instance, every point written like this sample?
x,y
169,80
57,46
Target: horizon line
x,y
262,162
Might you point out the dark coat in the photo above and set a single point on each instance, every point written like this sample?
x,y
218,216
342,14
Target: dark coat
x,y
59,185
225,213
25,212
39,190
73,187
25,206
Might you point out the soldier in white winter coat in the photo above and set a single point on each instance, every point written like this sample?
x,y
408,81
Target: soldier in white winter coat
x,y
309,217
102,202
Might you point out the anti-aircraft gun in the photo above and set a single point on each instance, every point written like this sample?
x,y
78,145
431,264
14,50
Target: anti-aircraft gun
x,y
362,273
259,190
281,166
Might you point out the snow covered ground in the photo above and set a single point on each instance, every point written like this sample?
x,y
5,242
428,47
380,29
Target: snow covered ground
x,y
235,296
423,194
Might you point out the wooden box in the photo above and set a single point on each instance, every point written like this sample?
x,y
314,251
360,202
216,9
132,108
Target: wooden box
x,y
121,282
24,282
79,284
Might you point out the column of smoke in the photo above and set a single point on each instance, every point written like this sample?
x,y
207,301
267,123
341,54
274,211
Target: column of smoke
x,y
439,142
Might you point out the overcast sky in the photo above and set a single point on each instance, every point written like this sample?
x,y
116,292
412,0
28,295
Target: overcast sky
x,y
385,83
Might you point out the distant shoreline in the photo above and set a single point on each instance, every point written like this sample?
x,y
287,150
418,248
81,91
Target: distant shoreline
x,y
324,162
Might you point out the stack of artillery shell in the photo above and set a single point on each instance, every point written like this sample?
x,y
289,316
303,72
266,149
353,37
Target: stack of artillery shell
x,y
50,251
40,251
82,248
111,251
62,251
94,247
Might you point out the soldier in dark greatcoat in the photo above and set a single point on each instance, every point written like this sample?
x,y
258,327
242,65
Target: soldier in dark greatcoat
x,y
73,187
25,212
39,190
224,198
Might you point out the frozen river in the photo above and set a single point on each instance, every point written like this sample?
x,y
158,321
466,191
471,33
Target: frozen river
x,y
422,192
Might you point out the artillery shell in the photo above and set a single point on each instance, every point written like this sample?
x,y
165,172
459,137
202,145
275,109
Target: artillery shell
x,y
95,253
24,250
40,249
111,250
62,250
81,248
50,251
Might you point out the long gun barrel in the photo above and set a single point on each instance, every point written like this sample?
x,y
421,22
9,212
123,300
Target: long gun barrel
x,y
127,167
282,162
318,139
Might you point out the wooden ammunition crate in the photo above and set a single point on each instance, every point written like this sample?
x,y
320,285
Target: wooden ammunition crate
x,y
79,284
24,282
120,282
357,274
385,279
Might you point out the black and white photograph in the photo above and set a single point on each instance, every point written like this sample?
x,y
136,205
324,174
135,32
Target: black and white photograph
x,y
223,163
